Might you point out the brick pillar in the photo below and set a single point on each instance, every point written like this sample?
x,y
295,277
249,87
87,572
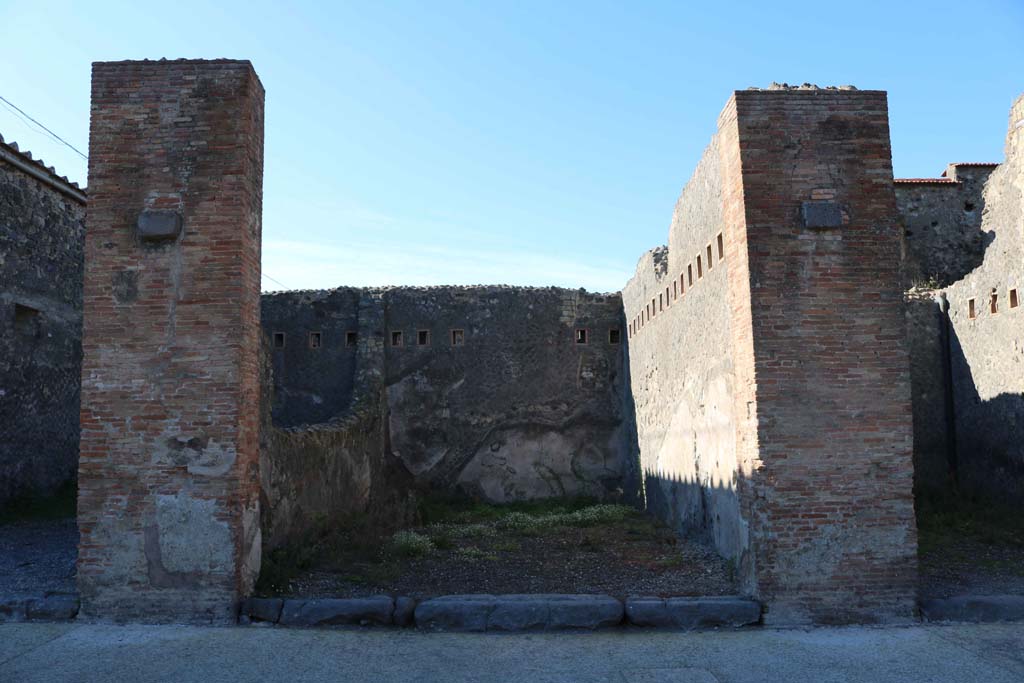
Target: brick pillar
x,y
819,349
168,475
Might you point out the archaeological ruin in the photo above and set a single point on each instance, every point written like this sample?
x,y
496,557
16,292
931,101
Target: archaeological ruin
x,y
816,344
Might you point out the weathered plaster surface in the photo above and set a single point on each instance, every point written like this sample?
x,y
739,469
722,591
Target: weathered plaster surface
x,y
681,369
988,351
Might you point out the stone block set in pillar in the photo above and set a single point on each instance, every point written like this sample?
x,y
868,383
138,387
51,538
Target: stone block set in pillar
x,y
168,475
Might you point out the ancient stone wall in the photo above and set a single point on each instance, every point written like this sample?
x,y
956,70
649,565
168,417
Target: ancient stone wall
x,y
169,475
42,222
681,369
942,237
487,391
312,384
929,368
987,340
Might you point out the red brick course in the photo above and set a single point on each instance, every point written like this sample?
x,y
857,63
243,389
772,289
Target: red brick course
x,y
168,473
829,492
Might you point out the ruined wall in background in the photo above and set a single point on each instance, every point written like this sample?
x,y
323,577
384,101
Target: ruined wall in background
x,y
933,476
988,348
681,370
42,224
942,237
482,391
311,385
318,474
520,409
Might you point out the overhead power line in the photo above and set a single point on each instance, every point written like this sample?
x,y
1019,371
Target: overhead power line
x,y
276,282
48,131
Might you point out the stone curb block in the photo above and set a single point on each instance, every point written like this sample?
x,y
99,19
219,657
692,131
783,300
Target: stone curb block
x,y
976,608
692,613
53,608
455,613
338,612
405,608
518,612
262,609
13,609
584,611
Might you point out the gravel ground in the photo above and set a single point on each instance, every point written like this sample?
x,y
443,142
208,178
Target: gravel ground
x,y
963,566
38,556
635,557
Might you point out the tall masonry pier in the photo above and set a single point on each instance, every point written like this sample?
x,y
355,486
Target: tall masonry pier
x,y
168,476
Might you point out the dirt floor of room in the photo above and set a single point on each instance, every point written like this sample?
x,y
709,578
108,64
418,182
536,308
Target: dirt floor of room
x,y
552,547
966,548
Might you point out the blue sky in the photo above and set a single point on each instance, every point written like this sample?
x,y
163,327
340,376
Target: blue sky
x,y
513,142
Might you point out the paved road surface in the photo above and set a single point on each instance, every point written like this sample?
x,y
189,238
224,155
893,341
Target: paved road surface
x,y
84,653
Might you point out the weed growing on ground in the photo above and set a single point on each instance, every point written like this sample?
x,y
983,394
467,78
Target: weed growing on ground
x,y
410,544
472,554
453,530
586,517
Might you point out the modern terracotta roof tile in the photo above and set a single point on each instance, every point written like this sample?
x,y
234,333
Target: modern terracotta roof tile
x,y
48,173
925,181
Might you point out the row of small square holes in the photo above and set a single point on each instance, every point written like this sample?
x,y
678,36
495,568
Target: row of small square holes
x,y
458,338
993,303
678,287
423,337
315,339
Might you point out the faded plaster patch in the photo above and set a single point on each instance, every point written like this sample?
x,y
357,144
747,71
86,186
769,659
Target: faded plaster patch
x,y
538,462
196,452
122,544
420,449
191,538
252,546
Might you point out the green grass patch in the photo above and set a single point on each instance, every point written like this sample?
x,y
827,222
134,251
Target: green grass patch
x,y
440,509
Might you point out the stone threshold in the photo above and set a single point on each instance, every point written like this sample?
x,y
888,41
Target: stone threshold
x,y
974,608
45,607
478,613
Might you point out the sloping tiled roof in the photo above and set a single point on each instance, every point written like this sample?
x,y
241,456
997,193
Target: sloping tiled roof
x,y
23,160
